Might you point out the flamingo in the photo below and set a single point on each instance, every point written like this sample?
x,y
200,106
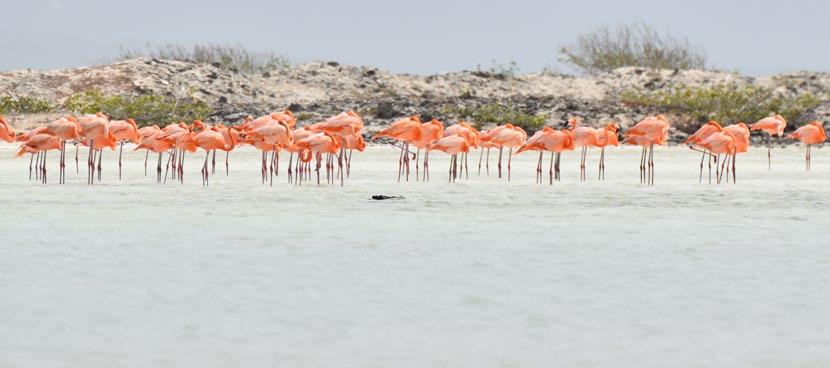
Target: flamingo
x,y
508,136
145,133
7,133
606,137
108,141
469,133
124,130
40,143
93,126
210,140
25,137
346,125
406,130
488,145
65,128
584,137
296,136
720,142
431,131
650,131
317,144
553,141
810,134
770,125
740,133
269,135
698,136
452,145
156,144
178,137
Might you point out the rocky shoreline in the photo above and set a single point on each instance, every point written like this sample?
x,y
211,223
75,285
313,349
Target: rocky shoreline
x,y
321,89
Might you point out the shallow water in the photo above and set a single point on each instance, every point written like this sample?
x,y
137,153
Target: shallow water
x,y
479,273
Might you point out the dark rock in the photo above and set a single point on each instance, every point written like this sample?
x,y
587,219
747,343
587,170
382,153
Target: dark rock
x,y
381,197
385,110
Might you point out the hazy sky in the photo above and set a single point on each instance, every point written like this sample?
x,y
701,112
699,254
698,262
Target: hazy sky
x,y
415,36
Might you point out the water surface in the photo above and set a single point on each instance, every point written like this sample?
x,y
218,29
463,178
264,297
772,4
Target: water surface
x,y
479,273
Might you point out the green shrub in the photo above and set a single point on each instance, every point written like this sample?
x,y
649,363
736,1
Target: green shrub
x,y
725,103
499,114
230,57
145,109
499,70
23,105
637,44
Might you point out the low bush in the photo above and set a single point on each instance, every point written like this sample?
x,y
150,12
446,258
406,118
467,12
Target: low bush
x,y
637,44
725,103
23,105
145,109
231,57
499,114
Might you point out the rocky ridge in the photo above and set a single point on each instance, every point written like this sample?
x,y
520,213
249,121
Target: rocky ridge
x,y
320,89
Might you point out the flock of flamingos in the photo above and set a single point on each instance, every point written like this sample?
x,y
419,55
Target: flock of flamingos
x,y
333,140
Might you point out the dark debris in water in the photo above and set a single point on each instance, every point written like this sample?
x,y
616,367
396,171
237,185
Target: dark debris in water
x,y
380,197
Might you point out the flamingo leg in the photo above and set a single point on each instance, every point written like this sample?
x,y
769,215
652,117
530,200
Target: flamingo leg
x,y
181,166
480,156
90,164
43,168
734,157
769,152
341,171
711,157
158,170
271,168
318,169
77,170
582,164
539,168
500,153
509,158
466,167
550,170
168,165
120,151
643,166
651,164
213,167
601,169
31,160
146,156
487,163
205,172
426,164
417,155
406,160
62,174
400,165
173,165
349,164
557,172
449,172
290,162
100,156
227,156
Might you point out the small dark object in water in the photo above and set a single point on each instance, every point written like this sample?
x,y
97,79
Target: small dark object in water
x,y
380,197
